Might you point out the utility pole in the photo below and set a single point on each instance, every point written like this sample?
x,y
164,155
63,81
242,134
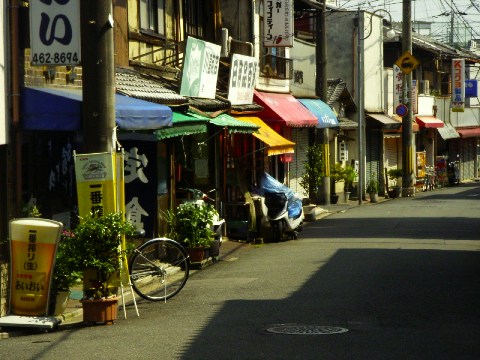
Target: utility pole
x,y
98,74
359,93
321,91
407,121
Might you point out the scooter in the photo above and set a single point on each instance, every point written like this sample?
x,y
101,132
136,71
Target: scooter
x,y
200,198
284,210
453,173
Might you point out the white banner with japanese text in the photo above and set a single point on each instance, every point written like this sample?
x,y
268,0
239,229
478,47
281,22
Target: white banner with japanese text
x,y
458,85
243,74
278,23
55,32
200,69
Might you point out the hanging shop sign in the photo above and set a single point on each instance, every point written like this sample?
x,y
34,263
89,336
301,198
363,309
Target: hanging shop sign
x,y
55,32
397,86
243,74
96,188
200,69
33,243
471,88
278,23
458,85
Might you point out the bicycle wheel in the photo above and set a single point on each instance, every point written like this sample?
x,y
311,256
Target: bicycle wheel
x,y
159,269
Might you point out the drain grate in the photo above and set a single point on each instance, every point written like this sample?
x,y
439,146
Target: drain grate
x,y
296,329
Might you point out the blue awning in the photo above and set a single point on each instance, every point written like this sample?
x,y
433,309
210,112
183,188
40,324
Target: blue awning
x,y
325,115
61,110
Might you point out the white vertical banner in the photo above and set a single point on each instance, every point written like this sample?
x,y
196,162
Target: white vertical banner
x,y
278,23
397,86
414,96
200,69
458,85
55,32
243,73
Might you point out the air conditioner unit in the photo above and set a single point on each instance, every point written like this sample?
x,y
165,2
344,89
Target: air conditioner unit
x,y
424,87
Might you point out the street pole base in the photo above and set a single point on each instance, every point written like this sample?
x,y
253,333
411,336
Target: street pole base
x,y
408,191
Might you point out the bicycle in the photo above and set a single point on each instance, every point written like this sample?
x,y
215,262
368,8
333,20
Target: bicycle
x,y
159,269
429,181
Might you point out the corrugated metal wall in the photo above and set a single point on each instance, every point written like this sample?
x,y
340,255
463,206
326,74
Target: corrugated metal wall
x,y
297,166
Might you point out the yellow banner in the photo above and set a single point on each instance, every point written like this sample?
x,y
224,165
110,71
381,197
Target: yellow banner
x,y
33,243
96,189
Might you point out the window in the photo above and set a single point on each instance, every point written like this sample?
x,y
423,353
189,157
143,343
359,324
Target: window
x,y
152,16
195,18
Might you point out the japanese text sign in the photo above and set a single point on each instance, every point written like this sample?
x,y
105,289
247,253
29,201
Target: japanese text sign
x,y
33,243
243,74
96,189
278,23
458,85
397,86
200,69
55,32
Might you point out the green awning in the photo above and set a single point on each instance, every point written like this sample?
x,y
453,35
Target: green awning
x,y
233,125
189,123
183,124
187,129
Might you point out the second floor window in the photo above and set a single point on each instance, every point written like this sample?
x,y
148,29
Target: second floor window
x,y
152,16
195,15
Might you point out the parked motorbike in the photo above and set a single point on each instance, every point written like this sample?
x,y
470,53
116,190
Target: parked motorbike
x,y
453,173
281,208
199,197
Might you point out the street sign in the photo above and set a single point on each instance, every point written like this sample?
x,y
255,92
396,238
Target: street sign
x,y
401,110
407,62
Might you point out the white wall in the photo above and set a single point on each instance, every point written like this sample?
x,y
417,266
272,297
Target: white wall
x,y
373,63
304,65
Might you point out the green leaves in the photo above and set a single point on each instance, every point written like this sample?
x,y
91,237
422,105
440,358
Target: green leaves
x,y
191,224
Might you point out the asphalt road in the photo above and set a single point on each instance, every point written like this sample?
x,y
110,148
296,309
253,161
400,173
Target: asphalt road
x,y
399,278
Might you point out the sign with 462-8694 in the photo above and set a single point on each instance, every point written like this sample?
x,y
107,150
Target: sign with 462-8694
x,y
55,32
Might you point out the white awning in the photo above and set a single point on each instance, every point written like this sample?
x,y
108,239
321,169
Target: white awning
x,y
448,132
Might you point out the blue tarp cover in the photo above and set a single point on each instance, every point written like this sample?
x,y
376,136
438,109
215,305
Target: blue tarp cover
x,y
271,185
61,109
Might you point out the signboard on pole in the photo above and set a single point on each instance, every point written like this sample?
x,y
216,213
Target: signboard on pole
x,y
397,86
95,175
33,243
278,23
200,69
407,62
243,74
55,32
458,85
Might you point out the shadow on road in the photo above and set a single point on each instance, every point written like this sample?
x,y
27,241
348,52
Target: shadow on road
x,y
397,304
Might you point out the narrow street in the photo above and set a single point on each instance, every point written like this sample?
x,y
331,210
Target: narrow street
x,y
393,280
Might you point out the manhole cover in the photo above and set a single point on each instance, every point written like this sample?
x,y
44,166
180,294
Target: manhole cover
x,y
306,329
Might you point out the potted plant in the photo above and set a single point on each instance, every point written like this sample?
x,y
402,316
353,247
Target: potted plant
x,y
97,253
394,175
65,275
349,175
191,224
372,188
314,172
336,175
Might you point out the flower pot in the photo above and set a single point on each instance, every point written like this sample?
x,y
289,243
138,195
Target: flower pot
x,y
195,254
100,310
373,197
334,199
347,196
61,302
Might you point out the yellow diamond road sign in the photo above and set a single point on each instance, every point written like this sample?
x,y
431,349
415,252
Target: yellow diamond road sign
x,y
407,62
